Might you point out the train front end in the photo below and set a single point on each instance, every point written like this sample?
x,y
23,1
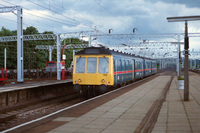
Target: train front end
x,y
93,68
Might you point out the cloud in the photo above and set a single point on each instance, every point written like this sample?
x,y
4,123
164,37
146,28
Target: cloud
x,y
148,16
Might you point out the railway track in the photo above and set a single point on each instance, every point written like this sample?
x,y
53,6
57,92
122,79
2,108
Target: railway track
x,y
17,116
195,71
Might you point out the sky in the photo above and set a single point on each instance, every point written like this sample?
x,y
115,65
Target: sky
x,y
62,16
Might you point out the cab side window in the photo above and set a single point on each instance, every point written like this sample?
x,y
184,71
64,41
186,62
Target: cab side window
x,y
103,65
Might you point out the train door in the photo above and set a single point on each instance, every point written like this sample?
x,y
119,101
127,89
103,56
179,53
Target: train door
x,y
133,68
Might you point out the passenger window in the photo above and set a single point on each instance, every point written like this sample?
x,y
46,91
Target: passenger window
x,y
128,65
114,65
80,65
119,64
124,65
104,65
136,64
91,65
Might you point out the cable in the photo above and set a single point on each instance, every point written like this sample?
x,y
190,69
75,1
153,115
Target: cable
x,y
23,23
8,20
41,14
63,9
75,23
57,13
52,11
110,12
46,17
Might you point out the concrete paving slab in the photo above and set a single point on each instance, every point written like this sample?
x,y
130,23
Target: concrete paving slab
x,y
182,116
67,119
122,114
88,130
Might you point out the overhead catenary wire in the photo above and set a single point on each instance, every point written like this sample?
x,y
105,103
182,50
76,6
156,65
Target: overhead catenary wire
x,y
111,13
16,21
68,11
53,18
47,17
23,23
75,21
53,11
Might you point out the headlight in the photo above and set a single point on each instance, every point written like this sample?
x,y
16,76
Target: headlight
x,y
79,80
103,80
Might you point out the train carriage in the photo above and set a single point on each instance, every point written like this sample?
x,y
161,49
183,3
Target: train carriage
x,y
123,68
98,67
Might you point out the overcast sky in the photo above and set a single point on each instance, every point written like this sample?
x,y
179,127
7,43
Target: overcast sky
x,y
61,16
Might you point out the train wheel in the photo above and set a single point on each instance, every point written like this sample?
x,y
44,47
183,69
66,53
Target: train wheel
x,y
84,92
81,93
102,88
77,87
93,91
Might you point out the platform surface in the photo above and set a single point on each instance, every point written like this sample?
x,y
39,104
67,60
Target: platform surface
x,y
124,113
177,115
31,84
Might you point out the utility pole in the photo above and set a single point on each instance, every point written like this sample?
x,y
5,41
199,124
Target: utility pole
x,y
186,72
58,58
5,59
20,51
20,60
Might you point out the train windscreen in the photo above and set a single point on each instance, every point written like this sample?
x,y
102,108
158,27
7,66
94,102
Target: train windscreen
x,y
91,65
80,65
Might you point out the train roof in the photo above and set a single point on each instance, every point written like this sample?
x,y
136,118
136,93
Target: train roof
x,y
94,50
105,51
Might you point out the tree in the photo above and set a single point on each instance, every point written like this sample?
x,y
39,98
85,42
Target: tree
x,y
47,32
30,30
5,32
33,58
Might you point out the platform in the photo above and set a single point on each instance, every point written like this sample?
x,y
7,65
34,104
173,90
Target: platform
x,y
125,113
178,116
31,84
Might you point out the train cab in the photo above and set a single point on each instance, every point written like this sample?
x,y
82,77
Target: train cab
x,y
93,68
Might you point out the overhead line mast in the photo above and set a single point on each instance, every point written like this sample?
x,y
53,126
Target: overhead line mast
x,y
20,60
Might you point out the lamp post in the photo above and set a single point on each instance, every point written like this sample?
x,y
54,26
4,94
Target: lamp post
x,y
186,73
179,54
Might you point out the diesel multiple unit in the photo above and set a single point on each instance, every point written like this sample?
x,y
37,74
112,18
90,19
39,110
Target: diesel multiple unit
x,y
98,67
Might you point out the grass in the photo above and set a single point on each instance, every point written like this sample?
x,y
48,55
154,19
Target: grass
x,y
180,78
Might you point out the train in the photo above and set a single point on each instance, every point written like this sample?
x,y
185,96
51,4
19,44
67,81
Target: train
x,y
51,66
99,68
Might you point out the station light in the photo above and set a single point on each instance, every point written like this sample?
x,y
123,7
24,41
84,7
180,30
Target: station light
x,y
186,73
183,18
